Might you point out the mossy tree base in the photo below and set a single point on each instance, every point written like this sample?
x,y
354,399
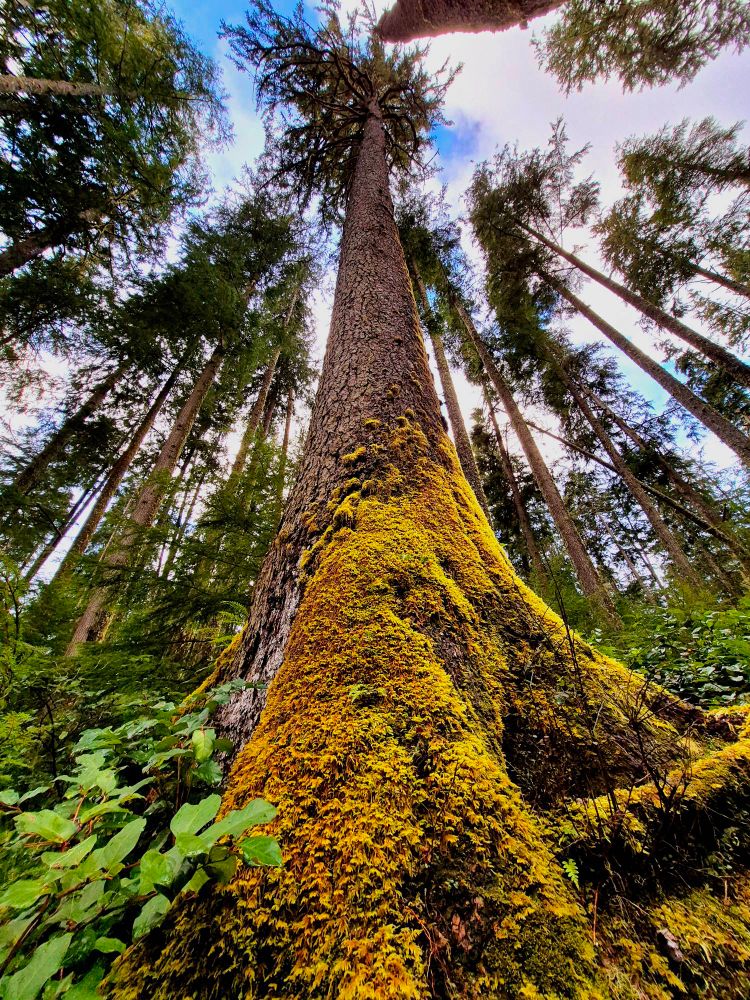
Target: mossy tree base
x,y
431,741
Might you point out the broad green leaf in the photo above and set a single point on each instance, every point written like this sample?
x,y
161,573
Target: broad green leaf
x,y
78,907
46,960
203,743
190,846
108,945
46,824
9,797
24,893
34,792
87,988
192,818
72,857
197,881
236,822
261,851
223,745
150,915
157,869
210,772
100,809
11,930
118,848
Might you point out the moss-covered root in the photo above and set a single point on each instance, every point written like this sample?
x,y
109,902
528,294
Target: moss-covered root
x,y
412,868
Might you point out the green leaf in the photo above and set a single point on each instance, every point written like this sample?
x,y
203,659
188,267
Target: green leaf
x,y
157,869
221,864
261,851
46,960
87,989
192,818
108,945
190,845
24,893
210,772
9,797
46,824
72,857
151,915
236,822
197,881
203,743
118,848
223,745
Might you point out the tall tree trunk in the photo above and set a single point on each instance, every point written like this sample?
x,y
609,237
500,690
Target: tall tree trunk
x,y
12,84
723,429
424,709
92,624
410,19
727,361
281,472
675,551
460,434
535,556
116,475
586,572
30,476
29,247
634,571
722,279
253,420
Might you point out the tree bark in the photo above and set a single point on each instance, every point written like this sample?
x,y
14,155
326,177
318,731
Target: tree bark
x,y
116,475
634,571
731,364
12,84
92,624
29,247
535,556
460,435
724,430
671,545
722,279
590,580
30,476
410,19
281,472
253,420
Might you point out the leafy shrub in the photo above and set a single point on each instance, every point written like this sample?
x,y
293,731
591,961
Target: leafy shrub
x,y
95,858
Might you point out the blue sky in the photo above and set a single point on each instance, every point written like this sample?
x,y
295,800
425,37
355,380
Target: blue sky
x,y
502,96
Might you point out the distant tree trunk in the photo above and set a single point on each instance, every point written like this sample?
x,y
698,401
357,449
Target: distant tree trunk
x,y
661,530
586,572
12,84
701,410
184,518
460,434
634,571
727,361
723,280
281,473
410,19
253,420
92,624
30,476
115,478
34,244
535,556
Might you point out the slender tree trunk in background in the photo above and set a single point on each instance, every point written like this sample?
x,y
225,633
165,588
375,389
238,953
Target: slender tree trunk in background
x,y
710,515
281,473
723,280
253,420
29,247
661,530
701,410
537,563
184,519
727,361
92,624
460,434
115,478
634,571
12,84
426,722
30,476
586,572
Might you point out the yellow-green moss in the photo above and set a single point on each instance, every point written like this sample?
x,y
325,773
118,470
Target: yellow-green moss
x,y
354,456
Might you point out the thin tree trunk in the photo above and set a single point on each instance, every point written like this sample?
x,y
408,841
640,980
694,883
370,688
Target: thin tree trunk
x,y
460,434
33,245
115,478
92,624
729,362
701,410
184,519
253,420
661,530
535,556
634,571
33,472
722,279
12,84
281,473
592,584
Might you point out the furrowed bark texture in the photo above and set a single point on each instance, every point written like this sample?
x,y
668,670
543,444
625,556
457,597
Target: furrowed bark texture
x,y
431,728
729,362
54,448
710,417
460,434
92,624
29,247
410,19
